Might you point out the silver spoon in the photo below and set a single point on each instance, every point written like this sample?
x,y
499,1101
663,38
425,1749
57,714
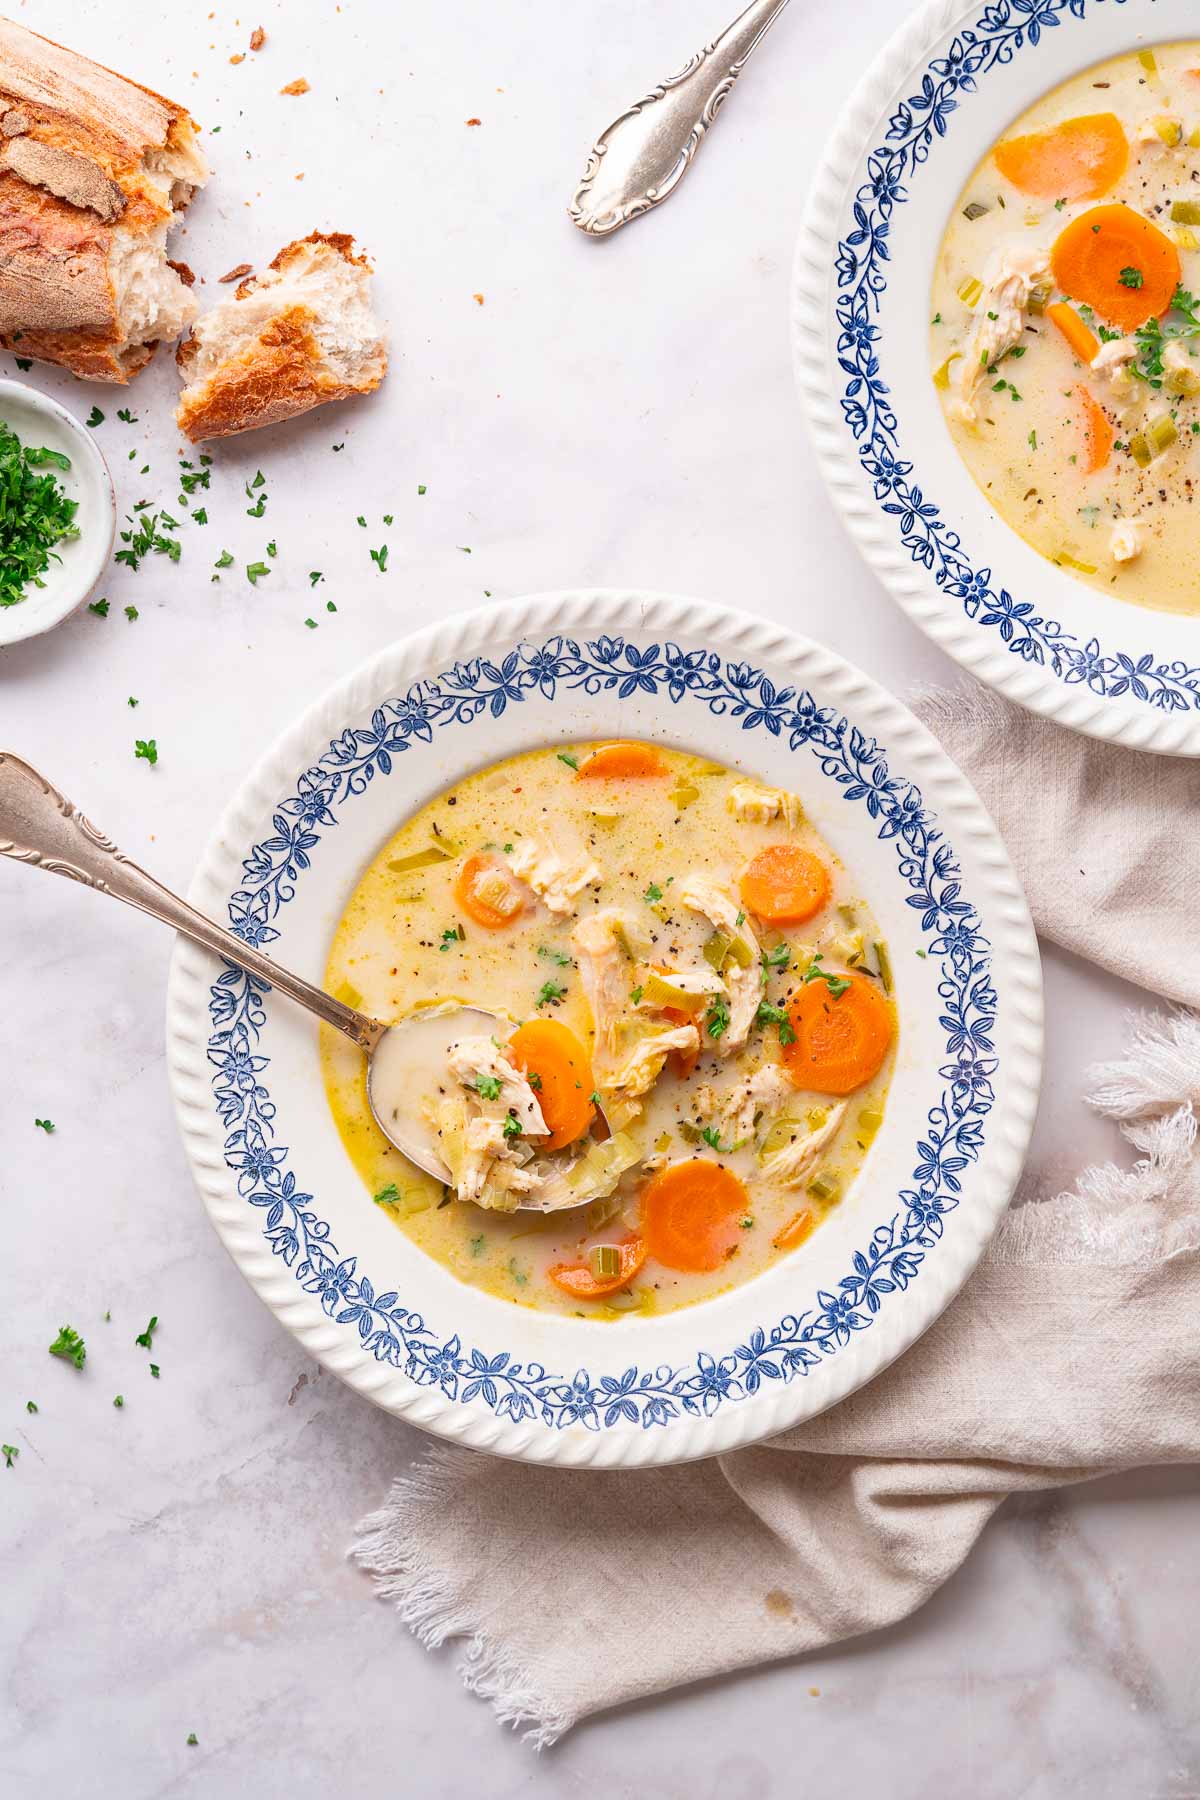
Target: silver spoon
x,y
643,156
42,828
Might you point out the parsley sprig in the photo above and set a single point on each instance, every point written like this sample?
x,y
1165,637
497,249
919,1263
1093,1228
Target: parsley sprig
x,y
1153,338
70,1346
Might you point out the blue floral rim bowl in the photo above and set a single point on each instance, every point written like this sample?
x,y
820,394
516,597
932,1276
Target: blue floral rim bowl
x,y
925,114
397,1327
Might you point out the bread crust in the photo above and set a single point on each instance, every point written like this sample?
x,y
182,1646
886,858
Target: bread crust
x,y
73,135
282,374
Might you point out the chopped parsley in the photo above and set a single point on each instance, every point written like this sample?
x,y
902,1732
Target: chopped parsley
x,y
489,1086
518,1274
654,892
837,984
145,750
635,994
717,1019
421,488
778,956
94,418
554,956
254,570
379,558
35,516
512,1126
572,762
126,417
70,1346
315,575
387,518
535,1081
712,1138
1153,337
477,1244
31,1406
146,1338
388,1195
1033,440
145,536
9,1453
776,1015
271,550
131,701
453,934
154,1370
131,613
99,607
311,623
550,992
1131,278
46,1125
191,1736
118,1399
224,561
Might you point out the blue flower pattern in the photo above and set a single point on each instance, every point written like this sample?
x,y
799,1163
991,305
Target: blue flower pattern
x,y
394,1333
999,32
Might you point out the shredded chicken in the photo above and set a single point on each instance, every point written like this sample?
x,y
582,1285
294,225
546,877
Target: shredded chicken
x,y
794,1163
759,805
554,878
1113,360
604,971
735,1111
1126,540
1013,271
473,1059
743,985
699,983
493,1158
641,1068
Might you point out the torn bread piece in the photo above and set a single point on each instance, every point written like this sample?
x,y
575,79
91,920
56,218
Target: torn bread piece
x,y
94,171
295,337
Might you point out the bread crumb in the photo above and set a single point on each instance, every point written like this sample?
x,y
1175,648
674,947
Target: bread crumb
x,y
240,57
258,38
237,273
478,299
299,86
474,121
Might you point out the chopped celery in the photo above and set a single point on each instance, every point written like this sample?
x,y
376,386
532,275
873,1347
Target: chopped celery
x,y
348,994
816,1117
741,953
848,915
605,820
660,990
824,1187
1170,131
420,859
1147,60
662,1143
1185,212
869,1121
1065,560
884,963
716,950
688,1132
605,1260
783,1131
1161,433
1186,239
1039,299
683,794
1140,450
1182,381
1194,138
971,291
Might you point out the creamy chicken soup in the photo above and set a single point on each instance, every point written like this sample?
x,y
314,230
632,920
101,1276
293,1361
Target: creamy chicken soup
x,y
694,1027
1066,334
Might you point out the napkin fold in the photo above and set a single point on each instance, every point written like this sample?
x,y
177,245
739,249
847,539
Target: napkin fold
x,y
1070,1354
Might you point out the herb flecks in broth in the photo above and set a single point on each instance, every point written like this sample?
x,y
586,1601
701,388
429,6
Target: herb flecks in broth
x,y
690,1055
1065,340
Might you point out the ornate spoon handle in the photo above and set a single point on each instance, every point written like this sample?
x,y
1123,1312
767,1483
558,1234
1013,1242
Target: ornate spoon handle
x,y
644,155
39,826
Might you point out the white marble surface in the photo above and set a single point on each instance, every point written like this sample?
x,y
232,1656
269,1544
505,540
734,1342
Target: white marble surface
x,y
612,413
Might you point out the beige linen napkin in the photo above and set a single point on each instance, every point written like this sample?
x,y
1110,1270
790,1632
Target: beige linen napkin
x,y
1071,1353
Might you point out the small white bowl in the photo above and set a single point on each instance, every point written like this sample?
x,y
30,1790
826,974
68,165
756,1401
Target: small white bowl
x,y
39,421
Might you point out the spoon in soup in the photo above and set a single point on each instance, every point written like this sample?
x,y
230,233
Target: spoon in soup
x,y
406,1060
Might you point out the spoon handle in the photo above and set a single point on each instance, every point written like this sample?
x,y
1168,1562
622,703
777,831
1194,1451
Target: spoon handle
x,y
644,155
39,826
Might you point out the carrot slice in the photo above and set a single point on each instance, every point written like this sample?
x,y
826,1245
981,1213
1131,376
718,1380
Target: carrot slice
x,y
691,1215
795,1231
1124,267
613,761
552,1052
1081,159
1083,342
683,1062
472,901
1098,433
785,884
577,1278
840,1042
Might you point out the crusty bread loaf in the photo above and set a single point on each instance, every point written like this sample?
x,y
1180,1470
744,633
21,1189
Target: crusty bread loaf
x,y
300,334
93,171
